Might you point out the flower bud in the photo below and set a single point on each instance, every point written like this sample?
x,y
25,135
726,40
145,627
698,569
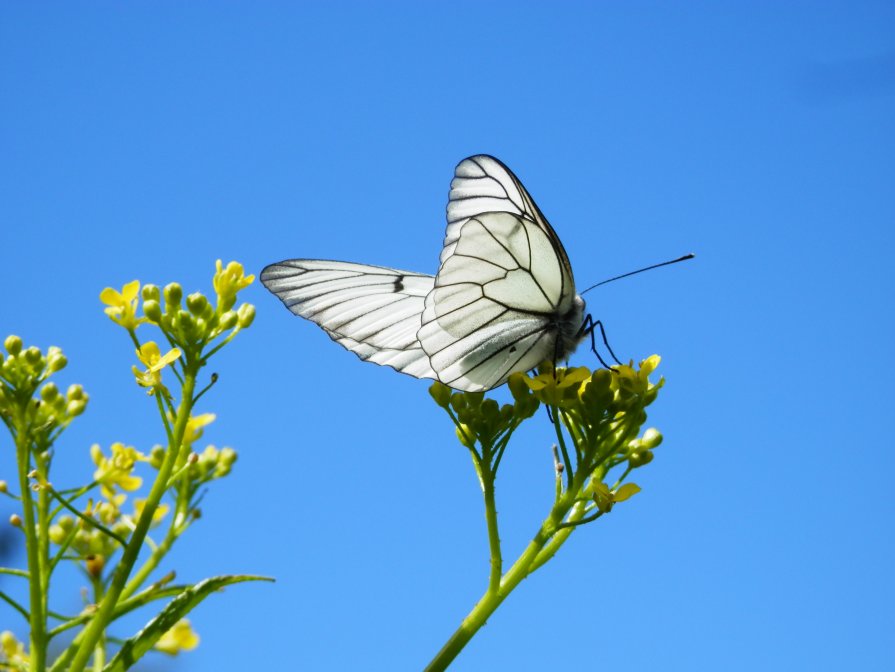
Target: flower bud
x,y
76,407
173,294
49,393
156,457
152,310
95,564
56,361
196,303
651,438
640,458
465,435
228,320
246,315
151,293
32,355
15,520
13,345
441,393
75,393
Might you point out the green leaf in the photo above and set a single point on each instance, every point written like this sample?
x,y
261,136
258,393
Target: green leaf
x,y
136,647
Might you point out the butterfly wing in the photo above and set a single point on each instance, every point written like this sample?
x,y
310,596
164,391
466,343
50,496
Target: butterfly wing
x,y
504,284
371,310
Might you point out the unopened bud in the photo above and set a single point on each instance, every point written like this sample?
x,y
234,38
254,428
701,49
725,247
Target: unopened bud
x,y
151,293
441,393
13,345
15,520
246,314
173,294
74,393
196,303
228,320
95,564
152,310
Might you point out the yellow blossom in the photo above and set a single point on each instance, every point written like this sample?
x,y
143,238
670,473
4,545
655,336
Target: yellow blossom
x,y
228,282
151,357
109,511
179,638
116,470
13,650
122,306
158,514
194,425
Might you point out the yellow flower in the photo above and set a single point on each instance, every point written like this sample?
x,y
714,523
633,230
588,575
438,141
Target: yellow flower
x,y
116,470
110,511
228,282
157,516
194,425
13,650
555,387
179,638
122,306
153,359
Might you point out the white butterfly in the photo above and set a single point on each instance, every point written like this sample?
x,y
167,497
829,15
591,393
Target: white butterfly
x,y
503,300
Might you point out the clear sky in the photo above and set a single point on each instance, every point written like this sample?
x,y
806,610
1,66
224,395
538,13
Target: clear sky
x,y
146,140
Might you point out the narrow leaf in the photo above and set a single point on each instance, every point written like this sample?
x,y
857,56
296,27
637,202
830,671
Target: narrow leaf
x,y
136,647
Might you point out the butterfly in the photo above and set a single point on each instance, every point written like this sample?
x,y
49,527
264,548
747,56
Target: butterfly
x,y
503,299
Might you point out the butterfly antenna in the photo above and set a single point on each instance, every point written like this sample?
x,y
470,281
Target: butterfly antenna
x,y
648,268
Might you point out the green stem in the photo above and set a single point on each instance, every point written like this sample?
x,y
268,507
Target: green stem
x,y
493,532
94,631
492,599
38,621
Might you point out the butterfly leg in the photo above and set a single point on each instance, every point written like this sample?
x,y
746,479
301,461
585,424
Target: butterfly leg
x,y
587,329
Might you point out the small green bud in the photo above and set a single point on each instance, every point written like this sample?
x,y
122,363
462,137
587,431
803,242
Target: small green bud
x,y
75,408
246,315
458,402
49,393
151,293
490,409
4,488
196,303
640,458
227,456
57,534
75,393
152,310
13,345
32,355
56,361
441,393
228,320
173,294
466,437
651,438
156,457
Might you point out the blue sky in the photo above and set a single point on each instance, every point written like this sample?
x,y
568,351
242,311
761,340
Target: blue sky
x,y
146,140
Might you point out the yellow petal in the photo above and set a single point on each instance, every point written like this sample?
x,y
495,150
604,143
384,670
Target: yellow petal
x,y
626,491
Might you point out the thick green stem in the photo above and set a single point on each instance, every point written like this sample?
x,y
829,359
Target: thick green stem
x,y
37,615
94,631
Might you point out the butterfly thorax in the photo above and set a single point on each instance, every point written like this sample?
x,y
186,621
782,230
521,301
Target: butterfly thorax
x,y
569,332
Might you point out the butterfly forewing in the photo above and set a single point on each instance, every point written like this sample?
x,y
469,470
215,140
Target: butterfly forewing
x,y
503,284
371,310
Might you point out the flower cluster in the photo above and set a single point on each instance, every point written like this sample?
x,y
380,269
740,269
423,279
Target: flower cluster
x,y
24,372
480,420
192,324
603,410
